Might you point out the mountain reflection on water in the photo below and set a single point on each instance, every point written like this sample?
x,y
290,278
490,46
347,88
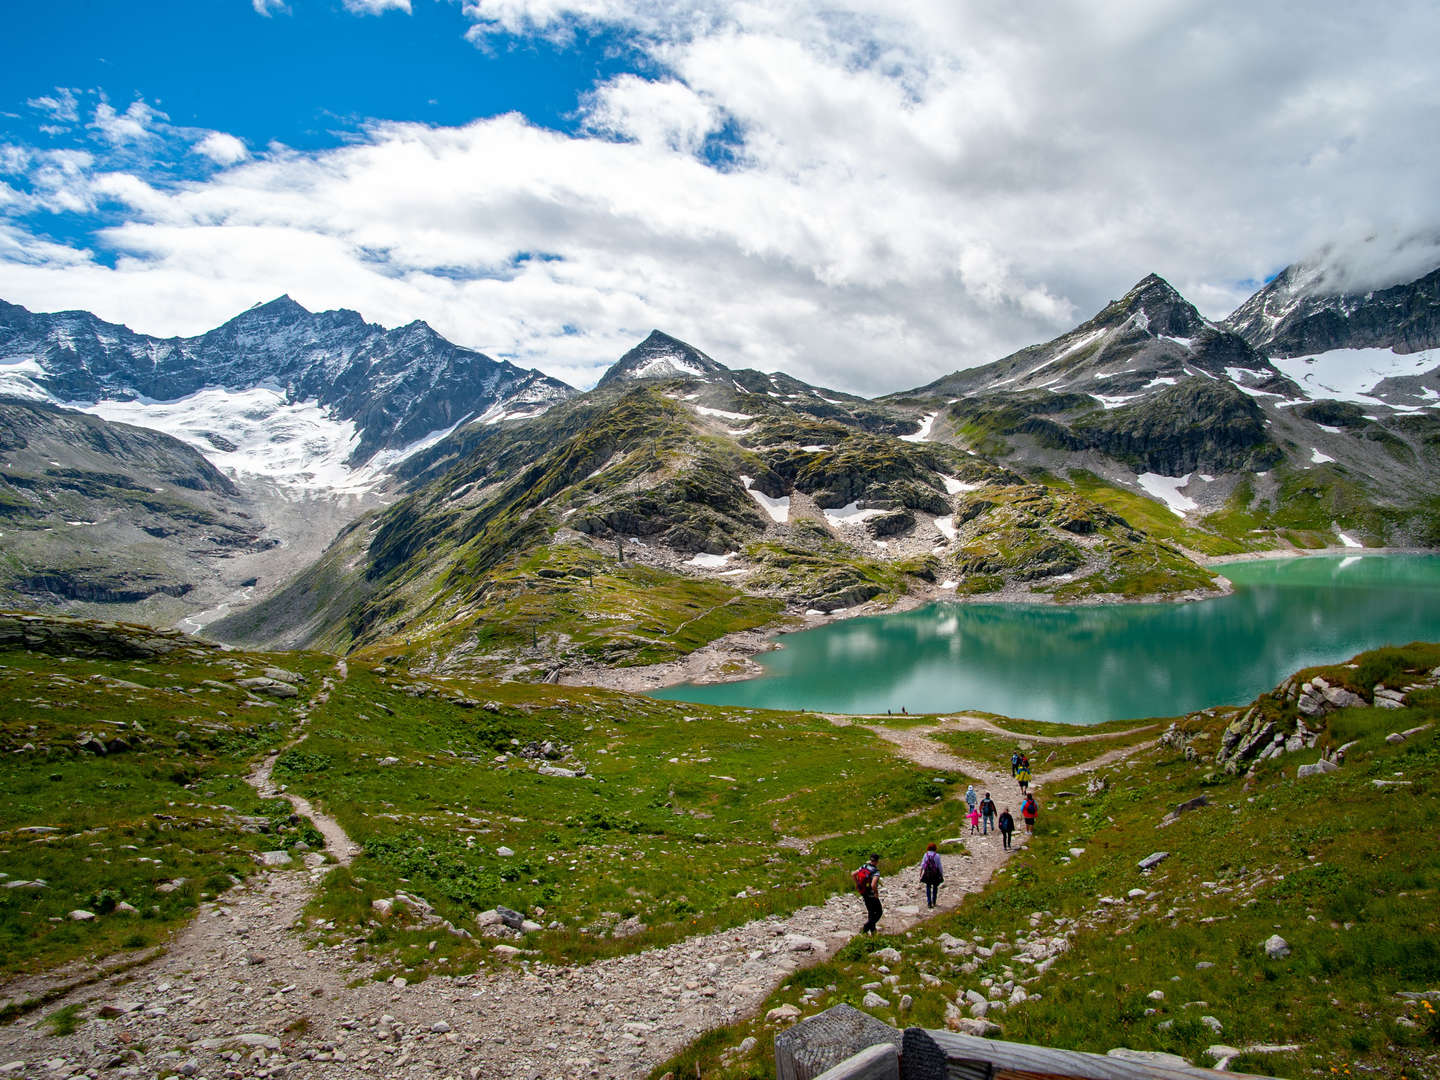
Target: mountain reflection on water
x,y
1085,665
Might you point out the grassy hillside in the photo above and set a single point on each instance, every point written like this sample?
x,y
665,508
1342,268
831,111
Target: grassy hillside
x,y
1345,867
122,782
433,778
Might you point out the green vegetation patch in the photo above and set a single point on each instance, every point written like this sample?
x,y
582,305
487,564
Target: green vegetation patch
x,y
122,792
672,827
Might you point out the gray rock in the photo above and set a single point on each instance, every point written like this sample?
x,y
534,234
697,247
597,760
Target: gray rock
x,y
440,1027
873,1000
746,1045
886,956
783,1012
383,907
81,915
1153,860
1394,738
981,1028
504,852
1276,947
510,917
1319,768
272,687
1213,1024
275,858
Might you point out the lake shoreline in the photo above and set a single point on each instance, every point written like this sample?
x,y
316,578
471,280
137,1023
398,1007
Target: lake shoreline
x,y
732,658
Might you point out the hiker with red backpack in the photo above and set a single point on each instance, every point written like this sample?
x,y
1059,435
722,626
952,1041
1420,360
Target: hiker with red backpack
x,y
1028,812
932,874
867,883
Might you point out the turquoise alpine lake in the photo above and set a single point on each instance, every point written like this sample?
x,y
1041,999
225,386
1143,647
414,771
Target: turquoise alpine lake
x,y
1086,665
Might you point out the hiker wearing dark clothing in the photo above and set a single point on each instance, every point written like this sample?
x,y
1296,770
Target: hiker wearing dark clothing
x,y
1028,812
987,813
932,874
1007,826
867,881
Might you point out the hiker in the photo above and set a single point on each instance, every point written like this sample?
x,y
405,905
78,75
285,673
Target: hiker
x,y
1014,762
932,874
987,813
970,798
1028,812
1023,776
974,817
867,882
1007,826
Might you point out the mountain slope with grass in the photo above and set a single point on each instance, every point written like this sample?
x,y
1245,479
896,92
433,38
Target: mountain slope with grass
x,y
701,851
1250,450
1282,924
640,522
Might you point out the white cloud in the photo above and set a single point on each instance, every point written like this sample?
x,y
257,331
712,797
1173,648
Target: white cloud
x,y
269,7
911,187
135,124
61,105
221,148
376,7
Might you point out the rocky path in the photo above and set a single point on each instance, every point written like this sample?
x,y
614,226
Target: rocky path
x,y
240,994
337,842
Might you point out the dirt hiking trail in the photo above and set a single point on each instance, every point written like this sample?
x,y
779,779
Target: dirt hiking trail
x,y
241,992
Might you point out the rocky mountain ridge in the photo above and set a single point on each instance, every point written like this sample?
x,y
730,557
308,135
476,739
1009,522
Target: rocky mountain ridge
x,y
1295,313
1040,471
396,386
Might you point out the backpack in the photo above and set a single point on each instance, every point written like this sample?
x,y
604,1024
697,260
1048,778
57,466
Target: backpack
x,y
863,877
930,868
1029,808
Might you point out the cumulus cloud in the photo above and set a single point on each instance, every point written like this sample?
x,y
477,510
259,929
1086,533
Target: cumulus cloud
x,y
221,148
864,194
269,7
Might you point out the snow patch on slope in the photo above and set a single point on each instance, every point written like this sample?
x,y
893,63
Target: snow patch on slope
x,y
778,509
663,365
1167,490
1352,374
923,435
850,514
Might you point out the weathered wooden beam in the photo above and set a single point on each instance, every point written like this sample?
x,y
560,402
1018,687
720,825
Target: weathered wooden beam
x,y
878,1062
944,1055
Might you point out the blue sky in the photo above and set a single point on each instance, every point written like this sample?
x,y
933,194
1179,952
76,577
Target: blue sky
x,y
866,195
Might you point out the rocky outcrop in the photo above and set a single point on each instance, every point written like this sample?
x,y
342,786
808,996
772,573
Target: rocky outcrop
x,y
1199,425
57,635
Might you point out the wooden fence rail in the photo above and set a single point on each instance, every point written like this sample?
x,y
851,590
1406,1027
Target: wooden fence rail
x,y
844,1043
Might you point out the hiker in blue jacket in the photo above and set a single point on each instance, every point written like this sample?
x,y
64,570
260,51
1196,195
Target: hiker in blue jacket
x,y
987,813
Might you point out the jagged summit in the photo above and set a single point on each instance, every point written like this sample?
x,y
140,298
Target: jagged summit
x,y
1154,305
1295,314
661,356
1146,340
